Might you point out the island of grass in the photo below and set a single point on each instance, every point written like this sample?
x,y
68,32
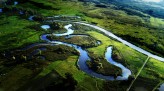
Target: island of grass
x,y
101,66
80,40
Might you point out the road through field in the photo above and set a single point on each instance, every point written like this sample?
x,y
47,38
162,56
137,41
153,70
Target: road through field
x,y
123,41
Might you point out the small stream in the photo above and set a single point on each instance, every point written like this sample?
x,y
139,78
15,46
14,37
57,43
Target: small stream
x,y
31,18
125,71
69,31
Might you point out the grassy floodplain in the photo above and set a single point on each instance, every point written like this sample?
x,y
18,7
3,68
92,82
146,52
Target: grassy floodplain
x,y
17,32
134,60
128,25
85,82
14,32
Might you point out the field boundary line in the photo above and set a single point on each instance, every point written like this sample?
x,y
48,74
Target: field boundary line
x,y
138,73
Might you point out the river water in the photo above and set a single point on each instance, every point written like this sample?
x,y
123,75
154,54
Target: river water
x,y
125,71
161,87
83,58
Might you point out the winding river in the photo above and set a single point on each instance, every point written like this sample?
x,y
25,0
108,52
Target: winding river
x,y
84,56
117,38
125,71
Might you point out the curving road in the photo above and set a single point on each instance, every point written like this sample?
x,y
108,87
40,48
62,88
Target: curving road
x,y
123,41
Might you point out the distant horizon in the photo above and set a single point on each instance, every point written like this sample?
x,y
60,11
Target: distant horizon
x,y
152,0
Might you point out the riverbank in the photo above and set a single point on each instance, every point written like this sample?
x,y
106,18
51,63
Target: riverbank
x,y
16,76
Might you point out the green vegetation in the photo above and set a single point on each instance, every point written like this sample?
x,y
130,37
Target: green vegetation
x,y
124,22
57,7
150,76
56,66
25,66
130,28
14,33
133,59
52,80
156,22
81,40
100,65
153,69
117,56
16,78
50,53
85,82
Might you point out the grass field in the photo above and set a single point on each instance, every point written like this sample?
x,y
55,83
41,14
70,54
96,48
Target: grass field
x,y
85,82
134,61
123,23
151,76
14,32
17,32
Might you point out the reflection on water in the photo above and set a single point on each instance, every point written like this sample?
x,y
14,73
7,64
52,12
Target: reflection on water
x,y
123,41
31,18
1,10
69,31
45,27
15,3
161,87
21,12
83,58
125,71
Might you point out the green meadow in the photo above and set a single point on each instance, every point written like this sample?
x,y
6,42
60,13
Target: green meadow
x,y
17,32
